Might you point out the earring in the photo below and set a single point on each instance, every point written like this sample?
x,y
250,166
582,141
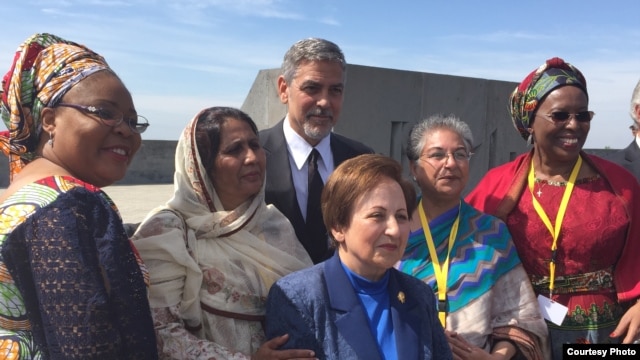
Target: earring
x,y
530,139
50,141
414,179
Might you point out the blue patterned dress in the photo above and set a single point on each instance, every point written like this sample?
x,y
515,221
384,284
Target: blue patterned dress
x,y
489,295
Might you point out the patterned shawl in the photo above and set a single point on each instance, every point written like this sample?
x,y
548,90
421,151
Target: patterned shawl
x,y
482,253
490,298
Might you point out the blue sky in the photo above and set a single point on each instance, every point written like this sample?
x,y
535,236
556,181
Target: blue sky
x,y
178,56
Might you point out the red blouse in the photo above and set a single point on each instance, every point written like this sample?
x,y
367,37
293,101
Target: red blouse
x,y
591,241
595,224
597,271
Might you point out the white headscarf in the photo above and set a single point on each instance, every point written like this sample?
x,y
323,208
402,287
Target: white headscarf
x,y
231,257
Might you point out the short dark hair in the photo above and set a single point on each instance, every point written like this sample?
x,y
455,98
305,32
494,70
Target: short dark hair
x,y
352,179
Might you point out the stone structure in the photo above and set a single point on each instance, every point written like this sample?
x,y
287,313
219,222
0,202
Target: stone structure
x,y
380,106
153,164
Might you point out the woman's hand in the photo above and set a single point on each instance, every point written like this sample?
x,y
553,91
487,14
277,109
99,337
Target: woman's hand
x,y
462,350
629,325
269,351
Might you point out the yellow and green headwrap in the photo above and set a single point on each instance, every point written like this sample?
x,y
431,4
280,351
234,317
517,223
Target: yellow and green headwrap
x,y
44,68
525,99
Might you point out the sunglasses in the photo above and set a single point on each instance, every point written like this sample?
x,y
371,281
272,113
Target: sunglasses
x,y
561,117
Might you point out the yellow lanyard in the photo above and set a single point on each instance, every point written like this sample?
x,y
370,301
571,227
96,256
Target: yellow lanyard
x,y
441,272
554,230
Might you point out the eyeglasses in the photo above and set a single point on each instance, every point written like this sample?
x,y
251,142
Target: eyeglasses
x,y
562,117
440,156
112,117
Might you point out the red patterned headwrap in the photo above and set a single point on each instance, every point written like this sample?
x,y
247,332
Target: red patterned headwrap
x,y
526,97
44,68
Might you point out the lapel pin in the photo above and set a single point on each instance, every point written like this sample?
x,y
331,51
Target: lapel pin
x,y
401,297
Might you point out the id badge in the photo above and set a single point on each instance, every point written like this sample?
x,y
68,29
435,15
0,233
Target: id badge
x,y
551,310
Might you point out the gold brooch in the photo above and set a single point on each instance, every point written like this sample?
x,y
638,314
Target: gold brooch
x,y
401,297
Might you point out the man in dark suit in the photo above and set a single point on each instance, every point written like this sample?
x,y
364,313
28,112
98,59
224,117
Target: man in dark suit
x,y
629,157
302,144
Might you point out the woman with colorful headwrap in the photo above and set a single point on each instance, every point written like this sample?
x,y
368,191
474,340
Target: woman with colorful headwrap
x,y
72,285
573,216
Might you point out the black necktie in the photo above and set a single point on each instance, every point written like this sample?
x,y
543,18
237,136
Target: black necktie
x,y
315,186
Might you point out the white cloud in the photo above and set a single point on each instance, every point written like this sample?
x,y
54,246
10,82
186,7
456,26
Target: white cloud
x,y
499,37
329,21
169,114
260,8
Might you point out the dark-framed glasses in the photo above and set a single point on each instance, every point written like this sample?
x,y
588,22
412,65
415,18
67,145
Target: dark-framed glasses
x,y
441,156
112,117
562,117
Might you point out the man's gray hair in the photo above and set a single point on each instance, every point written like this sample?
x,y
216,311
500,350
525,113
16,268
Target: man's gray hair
x,y
311,49
635,101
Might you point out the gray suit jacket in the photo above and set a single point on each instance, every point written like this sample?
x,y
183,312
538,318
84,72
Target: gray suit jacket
x,y
279,184
629,158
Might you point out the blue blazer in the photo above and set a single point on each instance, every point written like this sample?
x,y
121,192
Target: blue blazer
x,y
320,311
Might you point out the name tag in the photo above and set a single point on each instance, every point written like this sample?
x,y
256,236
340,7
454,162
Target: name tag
x,y
551,310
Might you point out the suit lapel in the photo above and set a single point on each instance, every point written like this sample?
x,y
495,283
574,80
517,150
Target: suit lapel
x,y
351,319
632,152
338,150
281,190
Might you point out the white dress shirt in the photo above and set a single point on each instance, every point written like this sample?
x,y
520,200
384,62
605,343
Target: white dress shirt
x,y
299,150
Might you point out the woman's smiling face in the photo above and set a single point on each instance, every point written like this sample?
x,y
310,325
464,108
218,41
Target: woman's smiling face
x,y
88,149
561,142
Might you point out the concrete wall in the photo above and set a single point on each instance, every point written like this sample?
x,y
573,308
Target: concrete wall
x,y
381,105
153,164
